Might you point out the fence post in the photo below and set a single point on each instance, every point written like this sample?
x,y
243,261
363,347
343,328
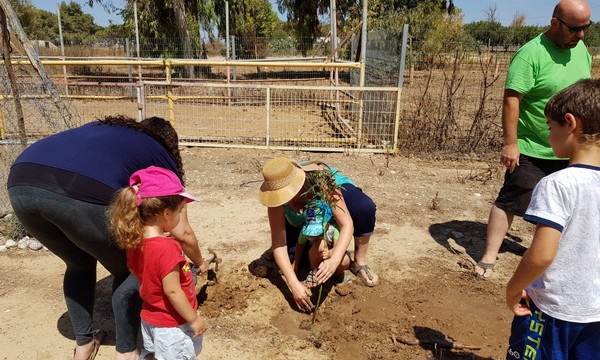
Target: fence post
x,y
170,91
403,56
268,116
140,90
233,57
363,57
6,50
62,51
129,72
397,121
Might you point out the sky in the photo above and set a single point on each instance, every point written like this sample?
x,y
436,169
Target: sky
x,y
538,12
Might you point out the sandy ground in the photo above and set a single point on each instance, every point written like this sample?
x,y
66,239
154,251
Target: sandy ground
x,y
430,227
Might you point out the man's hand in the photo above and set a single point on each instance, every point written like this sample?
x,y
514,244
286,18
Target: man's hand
x,y
510,157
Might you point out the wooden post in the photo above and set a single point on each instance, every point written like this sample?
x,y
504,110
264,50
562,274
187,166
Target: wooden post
x,y
13,80
17,30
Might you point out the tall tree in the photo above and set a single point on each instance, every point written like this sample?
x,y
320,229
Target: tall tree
x,y
77,27
159,19
490,12
251,21
304,15
37,24
184,34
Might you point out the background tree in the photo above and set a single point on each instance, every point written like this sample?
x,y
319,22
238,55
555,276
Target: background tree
x,y
303,16
252,22
490,12
518,19
487,33
37,24
77,28
185,20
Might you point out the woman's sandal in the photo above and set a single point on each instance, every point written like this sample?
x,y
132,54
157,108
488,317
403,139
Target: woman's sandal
x,y
96,342
355,269
485,267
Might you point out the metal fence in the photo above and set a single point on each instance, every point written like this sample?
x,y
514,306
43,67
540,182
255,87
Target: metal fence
x,y
450,102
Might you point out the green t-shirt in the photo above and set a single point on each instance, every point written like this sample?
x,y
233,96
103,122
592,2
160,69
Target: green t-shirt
x,y
539,70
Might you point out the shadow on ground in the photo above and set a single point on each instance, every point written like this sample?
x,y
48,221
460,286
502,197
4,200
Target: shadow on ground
x,y
470,236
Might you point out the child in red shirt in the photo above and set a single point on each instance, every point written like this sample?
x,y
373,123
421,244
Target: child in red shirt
x,y
140,216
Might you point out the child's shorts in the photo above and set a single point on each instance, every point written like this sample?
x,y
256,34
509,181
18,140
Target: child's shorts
x,y
542,337
173,343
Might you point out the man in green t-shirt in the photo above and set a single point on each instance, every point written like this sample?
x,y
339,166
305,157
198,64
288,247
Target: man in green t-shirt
x,y
540,68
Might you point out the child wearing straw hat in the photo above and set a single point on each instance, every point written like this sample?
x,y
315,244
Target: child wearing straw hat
x,y
285,193
140,216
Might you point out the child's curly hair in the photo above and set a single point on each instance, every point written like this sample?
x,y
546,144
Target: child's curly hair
x,y
127,220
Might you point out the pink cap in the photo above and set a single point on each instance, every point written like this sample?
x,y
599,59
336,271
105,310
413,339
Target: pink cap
x,y
154,181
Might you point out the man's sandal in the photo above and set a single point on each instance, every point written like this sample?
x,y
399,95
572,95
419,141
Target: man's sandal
x,y
485,267
356,269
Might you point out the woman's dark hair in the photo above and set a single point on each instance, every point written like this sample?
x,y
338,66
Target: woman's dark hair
x,y
157,128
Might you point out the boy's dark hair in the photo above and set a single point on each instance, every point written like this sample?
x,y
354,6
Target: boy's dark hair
x,y
582,100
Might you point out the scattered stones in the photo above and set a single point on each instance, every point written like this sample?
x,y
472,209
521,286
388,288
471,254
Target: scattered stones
x,y
10,243
35,245
23,243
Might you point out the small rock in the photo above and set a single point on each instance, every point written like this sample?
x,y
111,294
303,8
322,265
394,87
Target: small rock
x,y
10,243
477,194
457,234
22,244
35,245
2,248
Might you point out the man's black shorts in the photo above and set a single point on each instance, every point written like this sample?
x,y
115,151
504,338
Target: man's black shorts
x,y
515,194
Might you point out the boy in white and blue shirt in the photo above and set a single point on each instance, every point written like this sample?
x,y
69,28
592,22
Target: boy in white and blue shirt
x,y
555,291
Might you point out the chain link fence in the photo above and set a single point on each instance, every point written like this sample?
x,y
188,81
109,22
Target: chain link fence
x,y
450,101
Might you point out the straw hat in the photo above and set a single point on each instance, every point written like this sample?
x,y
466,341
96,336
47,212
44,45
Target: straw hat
x,y
282,181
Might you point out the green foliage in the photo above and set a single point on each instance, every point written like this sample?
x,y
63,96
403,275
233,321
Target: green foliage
x,y
37,24
522,34
444,35
592,36
157,21
77,27
251,22
485,32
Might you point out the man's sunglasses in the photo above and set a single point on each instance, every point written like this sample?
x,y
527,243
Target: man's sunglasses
x,y
574,29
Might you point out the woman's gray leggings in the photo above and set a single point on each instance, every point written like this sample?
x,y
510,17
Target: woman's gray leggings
x,y
77,232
